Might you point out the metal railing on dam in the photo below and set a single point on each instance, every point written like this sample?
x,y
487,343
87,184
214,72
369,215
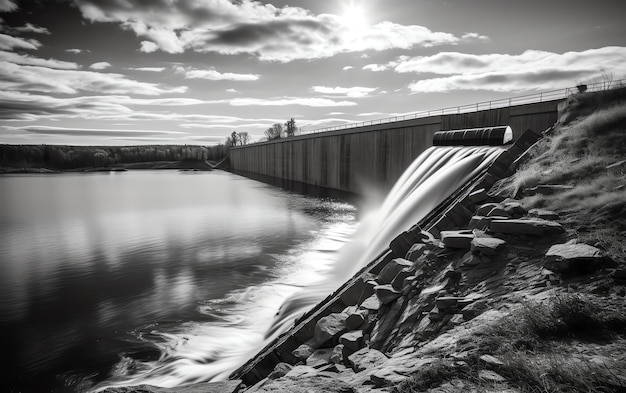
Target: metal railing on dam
x,y
366,156
543,96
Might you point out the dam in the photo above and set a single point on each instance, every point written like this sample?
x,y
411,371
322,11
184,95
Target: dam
x,y
358,159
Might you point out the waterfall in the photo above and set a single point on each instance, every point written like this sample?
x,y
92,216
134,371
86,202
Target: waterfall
x,y
210,353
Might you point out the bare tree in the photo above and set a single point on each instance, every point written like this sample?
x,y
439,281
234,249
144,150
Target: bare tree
x,y
290,127
244,138
274,132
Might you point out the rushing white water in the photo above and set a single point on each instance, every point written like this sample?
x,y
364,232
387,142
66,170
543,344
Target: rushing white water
x,y
202,352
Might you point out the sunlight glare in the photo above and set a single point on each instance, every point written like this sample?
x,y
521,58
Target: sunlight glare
x,y
354,17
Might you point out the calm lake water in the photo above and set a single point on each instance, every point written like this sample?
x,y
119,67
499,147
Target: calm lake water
x,y
159,277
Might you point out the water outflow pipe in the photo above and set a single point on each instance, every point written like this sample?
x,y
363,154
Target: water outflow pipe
x,y
486,136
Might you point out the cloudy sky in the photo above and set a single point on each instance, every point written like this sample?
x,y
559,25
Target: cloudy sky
x,y
112,72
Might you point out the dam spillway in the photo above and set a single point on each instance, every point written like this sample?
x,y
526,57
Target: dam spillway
x,y
361,159
431,195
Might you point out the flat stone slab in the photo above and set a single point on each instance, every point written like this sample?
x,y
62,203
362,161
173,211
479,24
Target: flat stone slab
x,y
371,303
543,214
533,227
366,358
487,245
576,258
388,273
457,239
319,358
386,293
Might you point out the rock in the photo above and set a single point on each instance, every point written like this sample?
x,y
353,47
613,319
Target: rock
x,y
490,376
324,382
491,361
356,319
371,304
330,327
319,358
574,258
446,302
497,211
473,310
303,352
543,214
299,371
366,358
280,370
616,167
388,272
398,280
337,356
487,245
386,293
534,227
386,376
403,242
352,340
416,251
546,189
457,239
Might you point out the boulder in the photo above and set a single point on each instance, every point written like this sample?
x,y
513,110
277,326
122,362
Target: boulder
x,y
352,340
388,272
533,227
457,239
323,382
386,293
337,356
319,358
371,304
330,327
473,310
280,370
574,258
301,370
398,280
487,245
356,319
366,358
303,352
490,376
543,214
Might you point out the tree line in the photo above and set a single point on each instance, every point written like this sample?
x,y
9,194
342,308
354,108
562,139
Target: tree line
x,y
72,157
276,131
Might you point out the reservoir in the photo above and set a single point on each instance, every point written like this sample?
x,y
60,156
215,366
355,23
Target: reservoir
x,y
158,277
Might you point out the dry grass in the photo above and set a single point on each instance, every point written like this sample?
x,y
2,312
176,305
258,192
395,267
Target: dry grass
x,y
535,345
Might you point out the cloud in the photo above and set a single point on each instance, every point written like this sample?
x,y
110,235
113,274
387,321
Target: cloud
x,y
16,58
100,65
7,5
77,51
346,68
232,91
8,42
46,130
30,28
375,67
212,74
475,37
148,69
313,102
251,27
352,92
530,70
36,78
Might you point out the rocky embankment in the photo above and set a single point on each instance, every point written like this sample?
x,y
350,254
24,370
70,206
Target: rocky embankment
x,y
526,295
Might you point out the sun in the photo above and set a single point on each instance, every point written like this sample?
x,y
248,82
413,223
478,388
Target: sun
x,y
354,17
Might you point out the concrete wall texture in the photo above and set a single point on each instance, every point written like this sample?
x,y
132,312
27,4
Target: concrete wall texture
x,y
354,160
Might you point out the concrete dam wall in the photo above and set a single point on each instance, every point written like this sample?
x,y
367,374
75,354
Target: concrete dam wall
x,y
356,159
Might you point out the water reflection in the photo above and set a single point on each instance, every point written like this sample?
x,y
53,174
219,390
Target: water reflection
x,y
98,265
